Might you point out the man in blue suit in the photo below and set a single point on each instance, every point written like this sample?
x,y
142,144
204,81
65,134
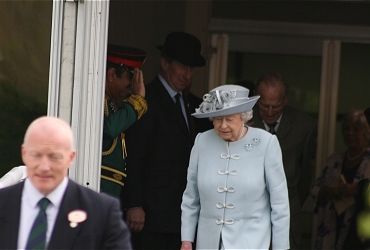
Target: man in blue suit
x,y
71,219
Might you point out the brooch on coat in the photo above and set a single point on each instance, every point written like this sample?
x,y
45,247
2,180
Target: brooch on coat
x,y
255,142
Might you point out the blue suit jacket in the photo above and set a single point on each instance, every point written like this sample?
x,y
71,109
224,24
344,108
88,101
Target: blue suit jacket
x,y
103,229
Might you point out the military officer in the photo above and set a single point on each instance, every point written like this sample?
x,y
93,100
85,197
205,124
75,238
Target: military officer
x,y
124,104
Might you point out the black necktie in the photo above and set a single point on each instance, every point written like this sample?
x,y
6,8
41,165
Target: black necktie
x,y
178,102
272,127
37,237
178,107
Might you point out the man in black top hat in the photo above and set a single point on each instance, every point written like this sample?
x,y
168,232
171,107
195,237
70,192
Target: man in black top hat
x,y
159,148
124,104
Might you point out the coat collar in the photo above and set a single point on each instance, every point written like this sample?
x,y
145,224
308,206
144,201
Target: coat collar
x,y
285,126
286,123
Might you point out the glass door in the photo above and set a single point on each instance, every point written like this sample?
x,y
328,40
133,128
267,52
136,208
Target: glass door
x,y
25,30
354,83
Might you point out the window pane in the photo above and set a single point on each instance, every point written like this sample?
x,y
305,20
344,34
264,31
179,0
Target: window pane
x,y
354,86
25,30
302,74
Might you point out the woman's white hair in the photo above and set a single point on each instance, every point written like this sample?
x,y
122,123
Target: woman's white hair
x,y
246,116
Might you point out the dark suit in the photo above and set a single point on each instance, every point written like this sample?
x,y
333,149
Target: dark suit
x,y
200,124
296,133
103,228
158,149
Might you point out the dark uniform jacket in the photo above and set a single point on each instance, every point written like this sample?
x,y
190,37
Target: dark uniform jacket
x,y
116,121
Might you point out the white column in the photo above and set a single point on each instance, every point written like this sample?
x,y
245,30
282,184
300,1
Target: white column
x,y
328,110
218,60
77,80
328,102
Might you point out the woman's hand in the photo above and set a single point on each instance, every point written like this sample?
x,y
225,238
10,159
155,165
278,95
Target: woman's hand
x,y
186,245
348,190
327,193
137,83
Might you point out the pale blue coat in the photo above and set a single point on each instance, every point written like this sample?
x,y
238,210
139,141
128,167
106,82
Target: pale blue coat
x,y
237,190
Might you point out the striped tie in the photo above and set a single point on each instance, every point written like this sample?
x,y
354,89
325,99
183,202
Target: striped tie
x,y
272,128
37,237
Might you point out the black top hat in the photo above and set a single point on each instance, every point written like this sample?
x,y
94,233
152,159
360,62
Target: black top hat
x,y
184,48
128,56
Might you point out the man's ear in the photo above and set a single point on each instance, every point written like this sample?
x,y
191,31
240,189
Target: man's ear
x,y
111,74
72,156
23,152
164,63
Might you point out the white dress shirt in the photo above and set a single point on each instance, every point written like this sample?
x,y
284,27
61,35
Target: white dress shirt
x,y
173,94
276,126
29,209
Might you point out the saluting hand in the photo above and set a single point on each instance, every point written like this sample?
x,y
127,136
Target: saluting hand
x,y
137,83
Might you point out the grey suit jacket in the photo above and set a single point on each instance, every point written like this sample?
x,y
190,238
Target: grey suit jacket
x,y
297,134
103,229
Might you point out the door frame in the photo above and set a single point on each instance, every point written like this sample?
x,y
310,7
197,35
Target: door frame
x,y
78,52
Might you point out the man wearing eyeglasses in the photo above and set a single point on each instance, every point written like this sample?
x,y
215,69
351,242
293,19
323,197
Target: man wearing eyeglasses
x,y
124,104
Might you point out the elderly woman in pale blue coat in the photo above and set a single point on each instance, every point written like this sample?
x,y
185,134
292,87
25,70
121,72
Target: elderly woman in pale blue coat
x,y
236,195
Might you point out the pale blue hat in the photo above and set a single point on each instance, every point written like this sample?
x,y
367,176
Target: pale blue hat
x,y
225,100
